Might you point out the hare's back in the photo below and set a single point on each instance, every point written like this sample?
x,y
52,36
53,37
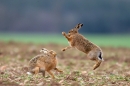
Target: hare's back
x,y
83,44
34,59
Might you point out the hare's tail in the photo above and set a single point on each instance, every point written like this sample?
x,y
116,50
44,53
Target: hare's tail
x,y
100,57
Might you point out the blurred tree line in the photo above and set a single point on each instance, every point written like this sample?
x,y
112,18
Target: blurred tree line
x,y
98,16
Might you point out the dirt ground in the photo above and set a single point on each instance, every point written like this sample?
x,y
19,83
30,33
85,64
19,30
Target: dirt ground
x,y
14,58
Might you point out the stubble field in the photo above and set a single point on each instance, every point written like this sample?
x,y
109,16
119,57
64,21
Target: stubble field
x,y
14,57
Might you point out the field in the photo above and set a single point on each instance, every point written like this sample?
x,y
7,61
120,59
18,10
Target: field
x,y
14,57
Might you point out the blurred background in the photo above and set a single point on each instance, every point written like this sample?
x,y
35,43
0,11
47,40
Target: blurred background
x,y
107,18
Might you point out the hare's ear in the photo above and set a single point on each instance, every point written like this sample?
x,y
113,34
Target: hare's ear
x,y
78,26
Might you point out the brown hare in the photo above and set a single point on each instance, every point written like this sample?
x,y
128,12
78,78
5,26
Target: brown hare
x,y
79,42
44,62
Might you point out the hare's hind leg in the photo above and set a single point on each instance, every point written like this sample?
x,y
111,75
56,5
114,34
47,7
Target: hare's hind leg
x,y
97,64
97,57
36,70
42,71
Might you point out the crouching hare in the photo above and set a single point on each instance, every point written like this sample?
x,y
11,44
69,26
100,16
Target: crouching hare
x,y
79,42
46,61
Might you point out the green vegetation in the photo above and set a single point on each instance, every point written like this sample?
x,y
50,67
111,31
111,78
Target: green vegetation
x,y
101,40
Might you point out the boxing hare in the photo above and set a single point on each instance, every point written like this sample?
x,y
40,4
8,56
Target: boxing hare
x,y
79,42
44,62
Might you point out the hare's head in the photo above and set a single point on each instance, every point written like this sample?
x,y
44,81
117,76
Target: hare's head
x,y
53,53
75,30
44,50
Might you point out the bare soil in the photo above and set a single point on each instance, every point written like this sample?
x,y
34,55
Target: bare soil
x,y
14,58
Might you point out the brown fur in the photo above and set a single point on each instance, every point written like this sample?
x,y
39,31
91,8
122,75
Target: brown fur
x,y
44,62
79,42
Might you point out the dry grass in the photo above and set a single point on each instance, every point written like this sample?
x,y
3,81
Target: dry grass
x,y
14,57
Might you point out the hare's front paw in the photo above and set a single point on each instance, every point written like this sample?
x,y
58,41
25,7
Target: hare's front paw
x,y
62,71
63,33
63,49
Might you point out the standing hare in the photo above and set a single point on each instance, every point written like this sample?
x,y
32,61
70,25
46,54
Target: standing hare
x,y
79,42
44,62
